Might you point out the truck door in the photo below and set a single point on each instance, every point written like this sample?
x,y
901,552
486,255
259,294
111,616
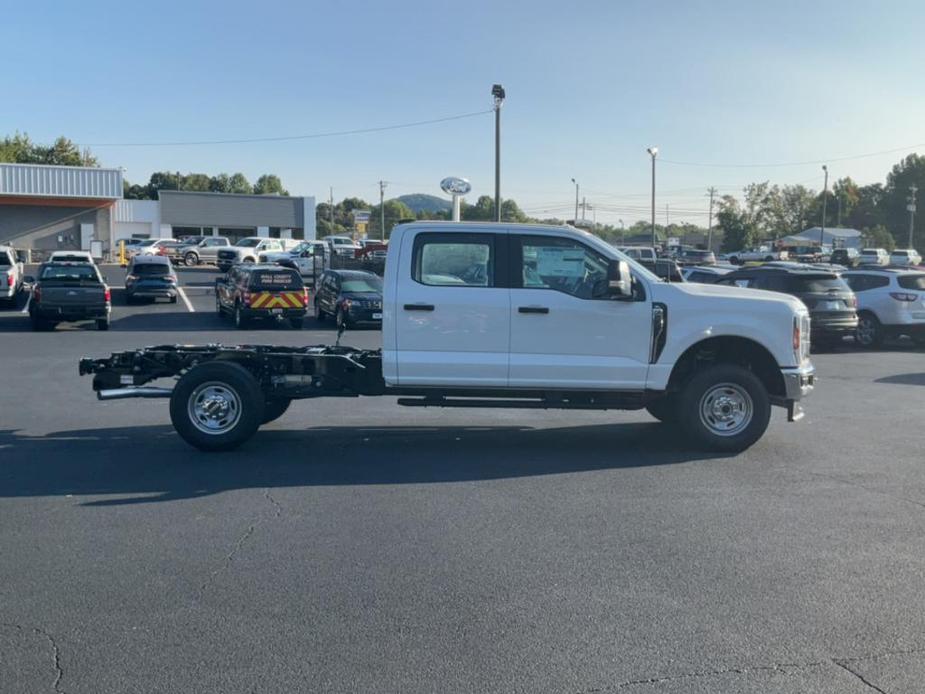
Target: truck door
x,y
452,311
563,337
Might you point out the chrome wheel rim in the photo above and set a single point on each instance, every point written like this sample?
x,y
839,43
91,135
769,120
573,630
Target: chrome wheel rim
x,y
726,409
214,408
866,331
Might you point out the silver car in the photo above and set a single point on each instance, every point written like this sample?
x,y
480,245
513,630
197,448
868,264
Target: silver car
x,y
205,251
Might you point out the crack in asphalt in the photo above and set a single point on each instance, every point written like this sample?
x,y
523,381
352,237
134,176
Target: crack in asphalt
x,y
783,668
859,676
241,541
55,652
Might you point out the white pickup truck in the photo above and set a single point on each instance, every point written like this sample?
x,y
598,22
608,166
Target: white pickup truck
x,y
11,275
761,254
515,316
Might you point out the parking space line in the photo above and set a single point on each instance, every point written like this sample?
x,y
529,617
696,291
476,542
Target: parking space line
x,y
185,299
25,309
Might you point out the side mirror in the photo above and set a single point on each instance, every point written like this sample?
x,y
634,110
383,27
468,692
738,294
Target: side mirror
x,y
619,281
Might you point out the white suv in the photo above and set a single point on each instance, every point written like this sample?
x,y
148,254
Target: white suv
x,y
891,302
874,256
905,256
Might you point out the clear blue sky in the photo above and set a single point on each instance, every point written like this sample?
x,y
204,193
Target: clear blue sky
x,y
590,85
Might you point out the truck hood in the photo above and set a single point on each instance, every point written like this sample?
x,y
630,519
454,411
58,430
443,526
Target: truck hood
x,y
723,293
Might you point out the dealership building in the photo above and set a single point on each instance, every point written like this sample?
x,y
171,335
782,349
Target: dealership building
x,y
69,207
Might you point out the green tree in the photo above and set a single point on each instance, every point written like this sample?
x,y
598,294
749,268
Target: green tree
x,y
790,209
19,149
196,181
879,237
395,212
238,183
738,231
269,184
908,172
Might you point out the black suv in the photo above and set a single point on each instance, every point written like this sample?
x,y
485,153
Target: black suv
x,y
831,303
351,296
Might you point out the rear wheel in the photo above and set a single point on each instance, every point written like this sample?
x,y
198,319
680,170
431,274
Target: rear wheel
x,y
217,406
734,260
102,323
319,313
724,408
274,409
296,323
869,333
341,319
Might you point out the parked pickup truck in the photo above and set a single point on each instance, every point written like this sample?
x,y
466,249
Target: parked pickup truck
x,y
204,250
763,254
245,251
11,275
305,257
514,316
69,292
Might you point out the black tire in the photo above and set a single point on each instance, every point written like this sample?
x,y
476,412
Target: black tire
x,y
768,258
296,323
665,409
173,299
319,313
274,409
734,260
341,320
240,320
191,259
720,392
41,325
243,414
869,333
102,323
218,307
248,260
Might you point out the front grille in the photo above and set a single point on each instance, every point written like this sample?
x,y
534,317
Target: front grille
x,y
227,255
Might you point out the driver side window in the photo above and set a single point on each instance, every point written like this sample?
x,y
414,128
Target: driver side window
x,y
560,264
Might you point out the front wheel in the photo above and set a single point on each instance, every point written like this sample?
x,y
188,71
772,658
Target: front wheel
x,y
665,409
341,319
724,408
217,406
191,259
240,322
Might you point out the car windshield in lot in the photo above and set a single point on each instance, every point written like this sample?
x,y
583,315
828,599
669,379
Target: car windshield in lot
x,y
274,279
69,273
912,281
247,243
363,285
820,283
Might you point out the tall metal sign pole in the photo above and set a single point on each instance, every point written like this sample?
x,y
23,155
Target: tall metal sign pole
x,y
497,91
712,192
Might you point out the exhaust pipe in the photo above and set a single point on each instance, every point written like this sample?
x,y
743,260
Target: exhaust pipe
x,y
133,392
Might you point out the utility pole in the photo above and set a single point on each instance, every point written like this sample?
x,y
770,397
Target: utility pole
x,y
653,152
576,201
331,210
667,223
913,189
712,192
382,185
825,197
622,233
584,209
838,217
497,91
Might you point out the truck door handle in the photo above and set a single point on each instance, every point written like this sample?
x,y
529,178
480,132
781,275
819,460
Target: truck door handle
x,y
419,307
532,309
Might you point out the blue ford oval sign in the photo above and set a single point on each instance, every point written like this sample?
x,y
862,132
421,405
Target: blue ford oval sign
x,y
455,186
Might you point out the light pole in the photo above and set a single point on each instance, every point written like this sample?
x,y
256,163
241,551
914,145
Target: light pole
x,y
653,152
576,201
497,91
622,233
825,197
911,207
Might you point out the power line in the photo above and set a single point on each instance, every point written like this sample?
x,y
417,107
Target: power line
x,y
794,163
284,138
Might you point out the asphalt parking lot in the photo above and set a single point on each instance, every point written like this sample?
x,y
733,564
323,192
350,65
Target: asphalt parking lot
x,y
356,546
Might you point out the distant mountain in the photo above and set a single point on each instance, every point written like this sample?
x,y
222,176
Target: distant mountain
x,y
421,202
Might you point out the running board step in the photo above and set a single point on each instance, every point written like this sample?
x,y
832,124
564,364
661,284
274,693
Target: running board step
x,y
619,402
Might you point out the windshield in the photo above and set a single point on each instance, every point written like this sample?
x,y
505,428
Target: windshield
x,y
912,281
69,273
248,243
5,259
362,286
342,242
